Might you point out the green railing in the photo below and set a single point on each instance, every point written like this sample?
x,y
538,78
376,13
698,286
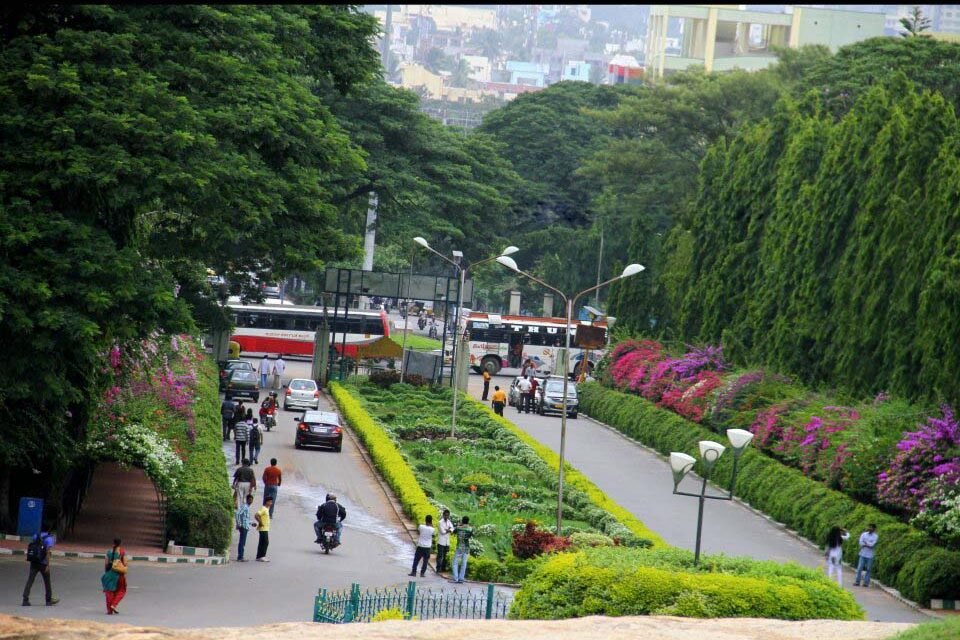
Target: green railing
x,y
423,604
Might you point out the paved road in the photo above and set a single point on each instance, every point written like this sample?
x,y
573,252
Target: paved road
x,y
641,482
376,552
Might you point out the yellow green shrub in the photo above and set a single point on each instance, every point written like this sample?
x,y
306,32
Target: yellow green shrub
x,y
386,457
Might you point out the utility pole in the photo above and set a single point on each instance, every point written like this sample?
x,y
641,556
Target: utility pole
x,y
369,241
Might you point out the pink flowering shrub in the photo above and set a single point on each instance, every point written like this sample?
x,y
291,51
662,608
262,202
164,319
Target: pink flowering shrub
x,y
923,457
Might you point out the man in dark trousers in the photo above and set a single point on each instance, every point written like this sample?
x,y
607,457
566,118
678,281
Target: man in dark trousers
x,y
38,554
486,385
330,512
227,411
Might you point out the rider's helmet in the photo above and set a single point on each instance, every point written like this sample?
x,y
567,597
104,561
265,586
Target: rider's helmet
x,y
273,394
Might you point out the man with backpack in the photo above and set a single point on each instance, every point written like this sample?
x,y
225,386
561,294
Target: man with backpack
x,y
38,555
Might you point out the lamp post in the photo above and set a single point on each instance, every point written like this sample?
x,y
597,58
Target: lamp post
x,y
630,270
462,272
710,452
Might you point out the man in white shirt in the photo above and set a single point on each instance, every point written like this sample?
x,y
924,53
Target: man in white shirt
x,y
279,367
524,387
444,529
868,540
265,369
424,542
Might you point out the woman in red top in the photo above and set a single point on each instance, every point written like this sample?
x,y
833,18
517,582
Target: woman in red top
x,y
114,582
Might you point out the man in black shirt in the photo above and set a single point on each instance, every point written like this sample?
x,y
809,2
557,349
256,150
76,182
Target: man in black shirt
x,y
330,512
227,411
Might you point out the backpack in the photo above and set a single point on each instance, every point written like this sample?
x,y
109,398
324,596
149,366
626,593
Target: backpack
x,y
36,550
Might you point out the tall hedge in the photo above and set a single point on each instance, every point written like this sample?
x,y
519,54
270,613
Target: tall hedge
x,y
830,248
907,559
200,513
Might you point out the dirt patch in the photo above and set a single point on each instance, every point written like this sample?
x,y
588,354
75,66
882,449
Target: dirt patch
x,y
593,628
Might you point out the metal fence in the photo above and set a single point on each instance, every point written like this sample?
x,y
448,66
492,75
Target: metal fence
x,y
422,604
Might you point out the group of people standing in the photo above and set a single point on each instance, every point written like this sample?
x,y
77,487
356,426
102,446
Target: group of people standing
x,y
463,532
834,554
244,487
275,368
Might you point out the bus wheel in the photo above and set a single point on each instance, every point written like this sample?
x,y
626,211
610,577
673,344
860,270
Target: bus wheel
x,y
492,365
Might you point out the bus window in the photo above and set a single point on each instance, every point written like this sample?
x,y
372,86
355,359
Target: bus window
x,y
479,335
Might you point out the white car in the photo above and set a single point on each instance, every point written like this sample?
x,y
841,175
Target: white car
x,y
301,393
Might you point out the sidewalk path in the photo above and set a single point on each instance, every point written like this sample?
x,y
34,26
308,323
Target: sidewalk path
x,y
641,482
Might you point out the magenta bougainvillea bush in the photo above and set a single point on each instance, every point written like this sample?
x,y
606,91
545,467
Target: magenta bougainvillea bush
x,y
146,415
881,450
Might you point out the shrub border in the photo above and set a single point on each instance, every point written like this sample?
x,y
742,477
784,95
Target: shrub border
x,y
907,559
200,513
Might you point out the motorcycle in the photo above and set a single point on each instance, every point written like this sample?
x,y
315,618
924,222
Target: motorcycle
x,y
328,537
268,417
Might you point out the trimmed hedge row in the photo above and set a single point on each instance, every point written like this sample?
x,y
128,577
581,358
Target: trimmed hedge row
x,y
623,582
573,479
907,559
200,514
385,455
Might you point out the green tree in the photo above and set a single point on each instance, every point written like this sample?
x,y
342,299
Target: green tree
x,y
914,24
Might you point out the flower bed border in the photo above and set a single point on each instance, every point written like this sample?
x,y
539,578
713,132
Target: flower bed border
x,y
908,559
402,480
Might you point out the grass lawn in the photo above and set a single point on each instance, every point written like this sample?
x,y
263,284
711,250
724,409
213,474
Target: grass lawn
x,y
948,629
417,343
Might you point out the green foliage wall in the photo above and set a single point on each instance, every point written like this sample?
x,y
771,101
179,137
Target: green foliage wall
x,y
828,248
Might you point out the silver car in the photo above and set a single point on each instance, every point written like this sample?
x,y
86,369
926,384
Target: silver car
x,y
301,393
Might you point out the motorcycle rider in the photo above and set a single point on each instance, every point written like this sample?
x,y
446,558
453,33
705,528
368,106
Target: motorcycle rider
x,y
330,512
268,408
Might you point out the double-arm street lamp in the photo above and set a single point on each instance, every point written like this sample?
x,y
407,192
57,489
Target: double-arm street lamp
x,y
462,272
570,303
710,452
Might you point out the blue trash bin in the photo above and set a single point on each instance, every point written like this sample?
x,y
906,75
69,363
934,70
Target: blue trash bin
x,y
30,516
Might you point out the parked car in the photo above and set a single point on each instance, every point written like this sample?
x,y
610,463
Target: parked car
x,y
319,429
301,392
243,383
270,289
228,366
513,395
550,397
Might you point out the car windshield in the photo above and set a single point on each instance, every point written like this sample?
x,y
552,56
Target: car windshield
x,y
303,385
243,364
557,388
241,374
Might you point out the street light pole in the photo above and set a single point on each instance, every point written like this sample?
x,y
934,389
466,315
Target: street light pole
x,y
710,452
570,303
456,330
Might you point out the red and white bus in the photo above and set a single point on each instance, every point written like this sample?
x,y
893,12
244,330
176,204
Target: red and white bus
x,y
498,341
290,330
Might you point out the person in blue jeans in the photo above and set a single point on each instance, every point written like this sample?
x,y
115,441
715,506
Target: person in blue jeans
x,y
868,540
242,519
463,533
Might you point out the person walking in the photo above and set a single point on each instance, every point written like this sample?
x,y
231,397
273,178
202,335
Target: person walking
x,y
279,368
266,368
424,542
486,385
114,578
498,401
444,529
463,532
255,438
38,555
242,519
528,368
239,414
534,385
241,434
868,541
272,479
834,554
227,410
523,402
263,526
244,483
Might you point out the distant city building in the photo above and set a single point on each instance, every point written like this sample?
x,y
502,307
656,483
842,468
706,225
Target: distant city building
x,y
480,68
726,37
528,73
624,69
577,70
